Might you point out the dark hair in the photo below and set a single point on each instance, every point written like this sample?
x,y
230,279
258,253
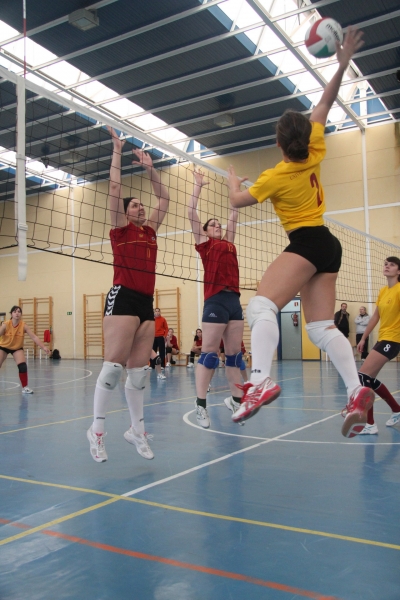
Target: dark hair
x,y
207,223
15,308
293,132
126,202
396,261
196,337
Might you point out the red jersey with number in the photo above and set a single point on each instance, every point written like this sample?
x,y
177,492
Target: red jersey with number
x,y
135,254
221,269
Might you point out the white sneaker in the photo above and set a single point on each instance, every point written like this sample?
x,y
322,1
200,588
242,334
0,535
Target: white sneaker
x,y
140,441
190,365
369,430
231,404
394,420
209,388
161,376
97,448
168,365
202,416
27,390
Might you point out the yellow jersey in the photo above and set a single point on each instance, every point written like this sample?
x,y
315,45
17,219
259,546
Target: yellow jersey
x,y
294,188
388,304
13,338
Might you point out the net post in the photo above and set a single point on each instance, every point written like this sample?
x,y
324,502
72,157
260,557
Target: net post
x,y
20,184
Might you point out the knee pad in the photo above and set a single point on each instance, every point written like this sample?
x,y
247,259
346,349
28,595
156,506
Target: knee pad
x,y
22,367
233,360
109,375
136,378
320,334
261,309
368,381
209,360
158,360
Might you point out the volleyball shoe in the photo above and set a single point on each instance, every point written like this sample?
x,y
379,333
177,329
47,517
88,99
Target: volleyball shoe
x,y
356,411
254,397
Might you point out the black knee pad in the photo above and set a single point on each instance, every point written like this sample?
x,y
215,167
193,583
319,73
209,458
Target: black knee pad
x,y
23,367
368,381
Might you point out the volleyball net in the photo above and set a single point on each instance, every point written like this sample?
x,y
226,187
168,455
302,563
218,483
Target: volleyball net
x,y
66,158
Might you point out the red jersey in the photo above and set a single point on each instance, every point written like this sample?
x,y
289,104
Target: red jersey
x,y
173,342
161,326
135,254
221,269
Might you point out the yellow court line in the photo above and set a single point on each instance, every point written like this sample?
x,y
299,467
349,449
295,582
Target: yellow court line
x,y
50,524
116,497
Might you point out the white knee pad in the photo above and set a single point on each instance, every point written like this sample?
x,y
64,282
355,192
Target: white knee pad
x,y
261,309
136,378
320,334
109,375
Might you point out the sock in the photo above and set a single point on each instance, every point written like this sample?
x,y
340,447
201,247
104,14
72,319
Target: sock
x,y
202,402
101,399
236,399
341,354
23,377
134,399
370,418
384,393
264,340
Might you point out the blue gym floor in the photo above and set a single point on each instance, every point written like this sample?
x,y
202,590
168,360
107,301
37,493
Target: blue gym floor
x,y
281,508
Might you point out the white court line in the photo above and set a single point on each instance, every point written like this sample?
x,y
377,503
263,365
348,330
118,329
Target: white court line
x,y
40,387
217,460
253,437
14,383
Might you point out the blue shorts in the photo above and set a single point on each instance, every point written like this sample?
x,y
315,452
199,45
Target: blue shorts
x,y
222,308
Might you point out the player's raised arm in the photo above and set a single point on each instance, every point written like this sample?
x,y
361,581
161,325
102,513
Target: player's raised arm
x,y
197,228
352,42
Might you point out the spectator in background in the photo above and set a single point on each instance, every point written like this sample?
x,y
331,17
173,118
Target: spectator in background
x,y
342,320
196,348
171,347
161,330
361,325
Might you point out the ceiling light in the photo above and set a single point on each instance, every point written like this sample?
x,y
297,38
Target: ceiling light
x,y
225,120
83,19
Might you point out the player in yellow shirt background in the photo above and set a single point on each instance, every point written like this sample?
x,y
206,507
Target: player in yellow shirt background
x,y
388,344
311,261
12,342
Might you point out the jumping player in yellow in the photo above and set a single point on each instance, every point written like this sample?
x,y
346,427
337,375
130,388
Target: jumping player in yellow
x,y
12,342
309,263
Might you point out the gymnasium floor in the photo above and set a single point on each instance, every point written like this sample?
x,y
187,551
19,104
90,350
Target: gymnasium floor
x,y
281,508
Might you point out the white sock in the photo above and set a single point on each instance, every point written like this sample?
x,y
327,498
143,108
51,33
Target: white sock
x,y
341,354
101,400
134,399
264,341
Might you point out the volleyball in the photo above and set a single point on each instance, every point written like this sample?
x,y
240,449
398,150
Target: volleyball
x,y
321,38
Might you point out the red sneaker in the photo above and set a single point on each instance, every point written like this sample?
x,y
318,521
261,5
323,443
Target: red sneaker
x,y
254,397
357,409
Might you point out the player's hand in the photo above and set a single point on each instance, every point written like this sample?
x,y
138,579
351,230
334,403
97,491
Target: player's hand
x,y
233,181
117,142
199,177
143,158
351,44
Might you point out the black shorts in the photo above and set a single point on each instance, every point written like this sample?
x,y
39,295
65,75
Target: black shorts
x,y
387,348
8,351
318,246
222,308
123,301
